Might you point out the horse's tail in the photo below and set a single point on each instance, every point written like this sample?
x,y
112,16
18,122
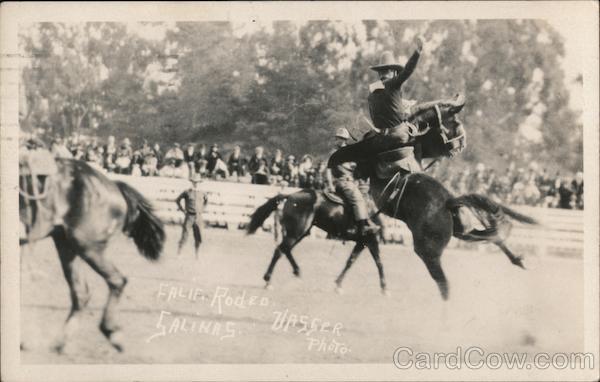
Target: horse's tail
x,y
519,217
495,213
141,224
262,213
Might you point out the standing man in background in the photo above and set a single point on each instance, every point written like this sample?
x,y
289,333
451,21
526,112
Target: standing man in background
x,y
195,200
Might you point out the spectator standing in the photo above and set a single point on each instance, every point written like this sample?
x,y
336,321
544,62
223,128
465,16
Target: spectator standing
x,y
212,158
236,163
59,150
258,167
194,202
276,167
159,156
149,160
137,160
306,172
531,194
201,161
124,155
565,193
577,187
188,156
320,176
110,154
79,151
290,171
176,154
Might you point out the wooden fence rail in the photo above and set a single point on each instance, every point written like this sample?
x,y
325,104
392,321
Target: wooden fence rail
x,y
231,204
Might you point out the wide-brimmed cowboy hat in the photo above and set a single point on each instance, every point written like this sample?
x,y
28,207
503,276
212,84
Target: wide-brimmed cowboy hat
x,y
196,178
387,61
342,132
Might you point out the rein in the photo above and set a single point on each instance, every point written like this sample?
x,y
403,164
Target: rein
x,y
397,179
35,196
441,123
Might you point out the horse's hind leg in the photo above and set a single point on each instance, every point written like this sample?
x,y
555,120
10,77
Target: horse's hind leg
x,y
287,247
78,288
373,246
353,256
516,260
434,267
430,252
267,276
116,283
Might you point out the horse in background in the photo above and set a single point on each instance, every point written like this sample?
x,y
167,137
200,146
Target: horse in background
x,y
81,209
303,210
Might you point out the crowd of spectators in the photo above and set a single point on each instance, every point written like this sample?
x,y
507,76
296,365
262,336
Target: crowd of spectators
x,y
531,186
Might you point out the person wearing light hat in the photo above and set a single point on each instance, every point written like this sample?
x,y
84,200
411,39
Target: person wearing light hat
x,y
341,179
195,200
389,112
387,107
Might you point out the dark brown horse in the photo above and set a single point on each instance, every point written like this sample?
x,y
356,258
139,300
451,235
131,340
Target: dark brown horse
x,y
301,211
81,209
429,210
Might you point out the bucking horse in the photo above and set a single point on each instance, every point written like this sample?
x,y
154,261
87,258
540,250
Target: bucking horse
x,y
430,211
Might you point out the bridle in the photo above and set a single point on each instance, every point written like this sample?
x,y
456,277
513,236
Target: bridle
x,y
35,196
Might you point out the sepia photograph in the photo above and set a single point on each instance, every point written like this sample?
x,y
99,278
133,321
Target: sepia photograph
x,y
300,191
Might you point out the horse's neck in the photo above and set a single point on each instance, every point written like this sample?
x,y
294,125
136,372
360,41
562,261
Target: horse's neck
x,y
376,188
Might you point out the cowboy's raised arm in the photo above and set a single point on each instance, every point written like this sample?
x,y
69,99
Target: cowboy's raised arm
x,y
410,65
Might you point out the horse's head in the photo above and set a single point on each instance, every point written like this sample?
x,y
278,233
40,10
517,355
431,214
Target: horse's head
x,y
438,113
446,136
449,108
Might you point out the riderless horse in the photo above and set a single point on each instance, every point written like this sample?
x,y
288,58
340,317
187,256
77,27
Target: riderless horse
x,y
81,209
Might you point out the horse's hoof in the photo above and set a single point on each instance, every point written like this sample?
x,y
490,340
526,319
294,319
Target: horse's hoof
x,y
339,290
297,273
58,347
518,261
116,340
385,292
268,286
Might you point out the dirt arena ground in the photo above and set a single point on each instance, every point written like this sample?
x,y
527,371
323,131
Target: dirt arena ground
x,y
230,317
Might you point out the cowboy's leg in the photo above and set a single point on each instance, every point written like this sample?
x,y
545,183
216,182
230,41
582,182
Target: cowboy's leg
x,y
186,226
354,197
367,148
197,236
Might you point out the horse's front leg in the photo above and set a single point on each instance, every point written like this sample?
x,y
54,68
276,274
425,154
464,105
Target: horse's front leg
x,y
373,246
353,256
78,288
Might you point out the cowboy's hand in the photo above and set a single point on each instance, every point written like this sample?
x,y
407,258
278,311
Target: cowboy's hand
x,y
419,44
